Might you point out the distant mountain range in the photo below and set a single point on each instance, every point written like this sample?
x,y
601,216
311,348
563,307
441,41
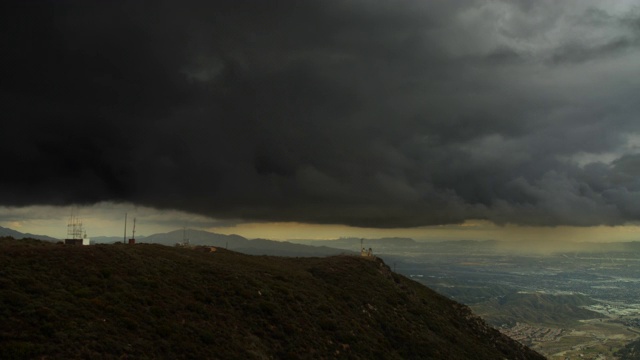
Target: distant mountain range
x,y
199,237
241,244
352,243
18,235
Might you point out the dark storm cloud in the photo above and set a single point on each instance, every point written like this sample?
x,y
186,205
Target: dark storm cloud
x,y
381,114
581,52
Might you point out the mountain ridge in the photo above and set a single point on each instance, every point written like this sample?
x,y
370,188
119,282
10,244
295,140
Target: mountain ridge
x,y
241,244
149,300
19,235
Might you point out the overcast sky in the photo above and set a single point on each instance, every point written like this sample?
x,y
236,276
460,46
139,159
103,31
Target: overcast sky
x,y
373,114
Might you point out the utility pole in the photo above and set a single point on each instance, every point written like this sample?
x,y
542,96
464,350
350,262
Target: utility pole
x,y
124,239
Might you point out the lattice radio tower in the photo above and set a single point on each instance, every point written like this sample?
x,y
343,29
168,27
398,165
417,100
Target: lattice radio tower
x,y
74,228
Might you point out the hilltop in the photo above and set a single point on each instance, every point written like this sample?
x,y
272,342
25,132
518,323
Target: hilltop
x,y
152,301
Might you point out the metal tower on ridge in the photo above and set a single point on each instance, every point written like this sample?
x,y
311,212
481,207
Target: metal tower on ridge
x,y
76,235
124,238
133,233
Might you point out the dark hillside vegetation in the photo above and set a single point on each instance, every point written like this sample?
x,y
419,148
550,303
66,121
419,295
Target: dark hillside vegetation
x,y
631,351
154,301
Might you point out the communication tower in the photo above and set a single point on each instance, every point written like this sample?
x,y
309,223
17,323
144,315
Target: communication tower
x,y
132,241
76,235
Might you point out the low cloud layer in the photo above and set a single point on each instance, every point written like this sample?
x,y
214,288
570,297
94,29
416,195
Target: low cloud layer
x,y
383,114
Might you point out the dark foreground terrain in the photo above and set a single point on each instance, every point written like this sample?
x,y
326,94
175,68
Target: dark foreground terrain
x,y
154,301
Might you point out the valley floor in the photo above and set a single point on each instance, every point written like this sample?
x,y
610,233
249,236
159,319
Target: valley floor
x,y
596,339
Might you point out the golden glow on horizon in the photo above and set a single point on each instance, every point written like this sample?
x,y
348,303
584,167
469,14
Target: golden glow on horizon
x,y
469,230
107,219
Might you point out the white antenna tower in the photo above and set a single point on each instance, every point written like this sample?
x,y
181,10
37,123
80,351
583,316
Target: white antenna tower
x,y
133,233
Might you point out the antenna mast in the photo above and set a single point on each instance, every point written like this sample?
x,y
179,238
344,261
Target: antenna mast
x,y
132,241
124,239
76,235
74,228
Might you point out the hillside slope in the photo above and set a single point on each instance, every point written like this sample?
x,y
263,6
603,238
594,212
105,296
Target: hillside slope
x,y
154,301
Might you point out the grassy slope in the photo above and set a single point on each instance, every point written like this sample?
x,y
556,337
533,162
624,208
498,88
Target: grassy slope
x,y
153,301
